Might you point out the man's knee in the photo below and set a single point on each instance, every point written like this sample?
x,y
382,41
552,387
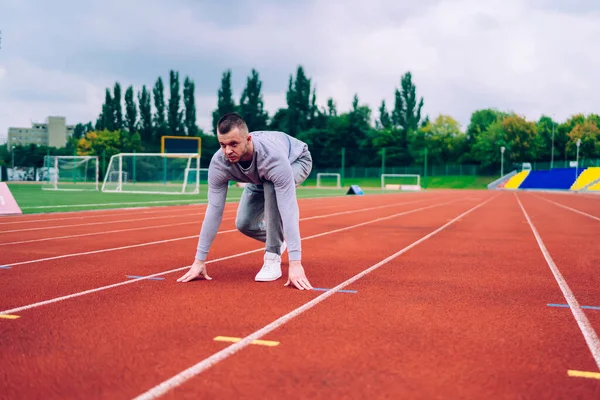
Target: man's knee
x,y
246,224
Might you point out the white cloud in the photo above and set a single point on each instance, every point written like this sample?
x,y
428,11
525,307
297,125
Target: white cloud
x,y
514,55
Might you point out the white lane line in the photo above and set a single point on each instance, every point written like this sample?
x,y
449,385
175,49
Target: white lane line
x,y
117,221
182,202
219,356
590,336
196,201
569,208
71,296
141,228
189,237
138,210
104,232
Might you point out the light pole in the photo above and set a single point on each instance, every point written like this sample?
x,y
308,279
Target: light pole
x,y
502,161
577,161
552,156
12,151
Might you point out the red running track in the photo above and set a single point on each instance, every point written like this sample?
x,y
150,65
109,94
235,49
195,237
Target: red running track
x,y
461,313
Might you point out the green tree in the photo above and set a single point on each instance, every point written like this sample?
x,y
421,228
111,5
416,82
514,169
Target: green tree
x,y
100,143
300,108
189,102
79,131
106,119
589,134
407,112
252,105
279,120
145,125
385,120
515,133
331,108
130,141
546,136
225,103
175,115
160,122
117,108
480,121
443,140
130,110
562,138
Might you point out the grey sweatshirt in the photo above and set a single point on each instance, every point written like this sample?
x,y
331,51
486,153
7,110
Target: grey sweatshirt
x,y
274,152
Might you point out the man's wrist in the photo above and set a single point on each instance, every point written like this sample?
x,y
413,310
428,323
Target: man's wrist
x,y
295,263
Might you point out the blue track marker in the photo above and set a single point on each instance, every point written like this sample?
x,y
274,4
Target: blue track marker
x,y
567,306
4,267
341,291
152,278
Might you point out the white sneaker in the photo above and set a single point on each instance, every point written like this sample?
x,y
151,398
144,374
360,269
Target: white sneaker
x,y
271,269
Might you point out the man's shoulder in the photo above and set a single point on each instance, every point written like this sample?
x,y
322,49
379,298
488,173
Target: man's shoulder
x,y
276,138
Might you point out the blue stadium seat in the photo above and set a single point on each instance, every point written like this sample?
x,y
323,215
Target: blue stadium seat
x,y
558,179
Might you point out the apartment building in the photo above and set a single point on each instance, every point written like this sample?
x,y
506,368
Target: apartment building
x,y
54,133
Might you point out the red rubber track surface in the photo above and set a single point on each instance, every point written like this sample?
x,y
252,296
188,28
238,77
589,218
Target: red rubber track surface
x,y
462,314
589,204
63,276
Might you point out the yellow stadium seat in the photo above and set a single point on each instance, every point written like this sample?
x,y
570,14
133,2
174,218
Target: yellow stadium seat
x,y
587,177
516,180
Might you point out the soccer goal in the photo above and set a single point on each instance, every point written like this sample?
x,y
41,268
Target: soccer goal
x,y
410,182
70,173
153,173
328,180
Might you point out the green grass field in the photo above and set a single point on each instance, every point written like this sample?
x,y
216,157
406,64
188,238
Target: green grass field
x,y
429,182
32,199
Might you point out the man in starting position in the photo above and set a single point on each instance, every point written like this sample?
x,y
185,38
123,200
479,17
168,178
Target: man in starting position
x,y
272,164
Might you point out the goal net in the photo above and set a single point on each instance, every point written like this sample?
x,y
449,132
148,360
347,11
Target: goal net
x,y
328,180
70,173
153,173
411,182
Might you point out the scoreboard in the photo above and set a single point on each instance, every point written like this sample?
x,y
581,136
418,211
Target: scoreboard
x,y
180,144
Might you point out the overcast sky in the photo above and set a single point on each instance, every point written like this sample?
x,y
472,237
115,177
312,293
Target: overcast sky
x,y
527,56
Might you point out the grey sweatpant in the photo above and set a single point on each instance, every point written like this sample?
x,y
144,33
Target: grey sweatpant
x,y
258,207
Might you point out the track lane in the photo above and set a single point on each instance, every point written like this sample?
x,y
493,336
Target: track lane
x,y
157,328
458,316
24,252
577,205
572,241
30,283
59,227
21,246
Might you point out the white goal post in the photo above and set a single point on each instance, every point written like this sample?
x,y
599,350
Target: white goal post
x,y
71,173
153,173
320,175
414,179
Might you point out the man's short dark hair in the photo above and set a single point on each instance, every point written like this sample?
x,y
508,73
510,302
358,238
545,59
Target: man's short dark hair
x,y
230,121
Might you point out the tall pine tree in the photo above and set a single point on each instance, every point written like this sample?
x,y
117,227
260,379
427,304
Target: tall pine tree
x,y
160,123
385,121
225,103
107,120
252,105
175,115
117,107
130,110
145,125
299,103
190,107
